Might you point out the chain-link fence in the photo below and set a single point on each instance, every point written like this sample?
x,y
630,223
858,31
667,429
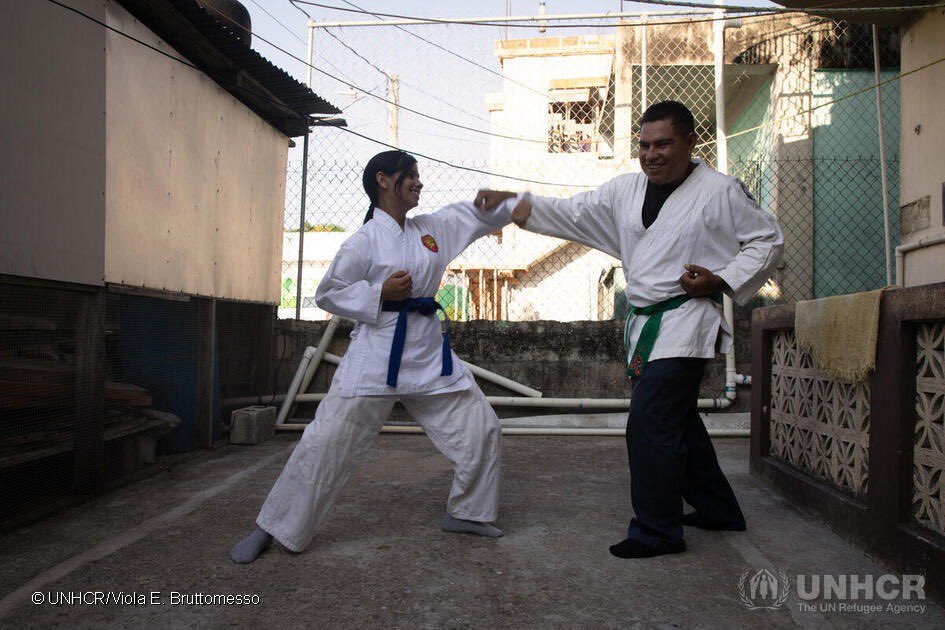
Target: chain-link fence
x,y
557,113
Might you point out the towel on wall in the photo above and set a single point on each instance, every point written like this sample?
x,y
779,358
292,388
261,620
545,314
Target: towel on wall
x,y
840,333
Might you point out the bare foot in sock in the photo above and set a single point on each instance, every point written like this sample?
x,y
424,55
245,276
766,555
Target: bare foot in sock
x,y
450,524
248,549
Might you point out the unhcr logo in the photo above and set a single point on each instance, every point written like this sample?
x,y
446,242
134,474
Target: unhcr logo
x,y
768,589
763,589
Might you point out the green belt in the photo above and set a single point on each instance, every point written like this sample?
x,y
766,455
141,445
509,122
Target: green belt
x,y
654,313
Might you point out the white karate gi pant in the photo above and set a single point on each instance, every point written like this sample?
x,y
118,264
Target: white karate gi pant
x,y
462,426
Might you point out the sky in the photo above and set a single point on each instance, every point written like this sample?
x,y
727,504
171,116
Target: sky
x,y
433,78
444,72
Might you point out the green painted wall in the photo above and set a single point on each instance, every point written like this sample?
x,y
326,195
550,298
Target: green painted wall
x,y
849,235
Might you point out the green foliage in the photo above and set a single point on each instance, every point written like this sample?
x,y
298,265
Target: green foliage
x,y
320,227
287,299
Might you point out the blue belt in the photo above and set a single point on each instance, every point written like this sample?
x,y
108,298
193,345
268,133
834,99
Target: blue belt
x,y
426,306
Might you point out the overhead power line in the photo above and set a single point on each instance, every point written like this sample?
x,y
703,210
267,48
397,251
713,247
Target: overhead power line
x,y
839,99
467,168
184,62
362,90
455,54
826,8
499,21
294,34
673,17
731,9
350,131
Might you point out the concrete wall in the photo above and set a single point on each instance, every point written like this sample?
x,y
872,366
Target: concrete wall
x,y
922,138
523,112
561,359
195,179
52,142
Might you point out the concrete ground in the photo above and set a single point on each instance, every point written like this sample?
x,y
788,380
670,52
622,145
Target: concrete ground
x,y
381,560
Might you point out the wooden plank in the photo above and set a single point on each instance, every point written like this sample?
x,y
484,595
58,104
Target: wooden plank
x,y
265,332
36,370
761,357
89,393
39,445
29,395
206,341
126,394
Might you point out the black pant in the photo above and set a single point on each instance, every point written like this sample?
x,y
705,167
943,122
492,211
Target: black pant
x,y
671,455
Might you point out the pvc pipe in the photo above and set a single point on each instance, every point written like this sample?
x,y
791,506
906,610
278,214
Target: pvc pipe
x,y
410,429
335,359
721,159
902,250
310,65
301,259
498,379
320,352
882,154
564,403
643,62
482,373
502,401
294,386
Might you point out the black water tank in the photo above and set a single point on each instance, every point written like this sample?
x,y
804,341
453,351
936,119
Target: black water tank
x,y
234,12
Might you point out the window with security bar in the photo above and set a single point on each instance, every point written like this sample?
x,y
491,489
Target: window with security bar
x,y
574,121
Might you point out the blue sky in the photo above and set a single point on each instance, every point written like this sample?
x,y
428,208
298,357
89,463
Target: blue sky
x,y
433,78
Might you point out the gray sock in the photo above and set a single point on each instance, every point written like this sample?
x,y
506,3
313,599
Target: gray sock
x,y
248,549
450,524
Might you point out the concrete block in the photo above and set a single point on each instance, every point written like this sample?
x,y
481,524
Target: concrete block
x,y
252,425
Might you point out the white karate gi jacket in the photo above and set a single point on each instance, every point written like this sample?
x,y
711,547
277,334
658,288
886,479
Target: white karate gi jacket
x,y
352,288
710,220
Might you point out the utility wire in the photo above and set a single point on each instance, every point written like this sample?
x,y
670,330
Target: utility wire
x,y
671,18
827,8
360,89
359,9
466,168
190,65
675,3
184,62
296,35
839,99
497,22
422,91
455,54
356,53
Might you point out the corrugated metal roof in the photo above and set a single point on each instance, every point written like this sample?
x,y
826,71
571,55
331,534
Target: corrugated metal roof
x,y
882,18
217,48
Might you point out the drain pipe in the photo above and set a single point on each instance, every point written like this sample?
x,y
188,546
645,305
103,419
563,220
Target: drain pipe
x,y
290,396
320,352
506,401
721,159
902,250
569,431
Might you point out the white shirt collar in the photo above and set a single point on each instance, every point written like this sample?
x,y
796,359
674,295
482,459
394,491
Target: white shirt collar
x,y
386,221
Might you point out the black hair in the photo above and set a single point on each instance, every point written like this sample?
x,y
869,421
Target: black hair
x,y
679,115
387,162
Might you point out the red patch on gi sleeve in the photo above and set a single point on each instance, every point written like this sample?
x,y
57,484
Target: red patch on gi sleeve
x,y
429,242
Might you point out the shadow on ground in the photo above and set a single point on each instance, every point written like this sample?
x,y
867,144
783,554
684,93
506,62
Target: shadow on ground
x,y
381,560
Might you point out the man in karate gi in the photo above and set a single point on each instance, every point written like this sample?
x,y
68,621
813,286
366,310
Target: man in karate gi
x,y
685,234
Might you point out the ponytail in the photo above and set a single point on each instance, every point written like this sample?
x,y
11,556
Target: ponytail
x,y
387,162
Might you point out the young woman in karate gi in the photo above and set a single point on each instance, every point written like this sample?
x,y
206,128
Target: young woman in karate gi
x,y
384,277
